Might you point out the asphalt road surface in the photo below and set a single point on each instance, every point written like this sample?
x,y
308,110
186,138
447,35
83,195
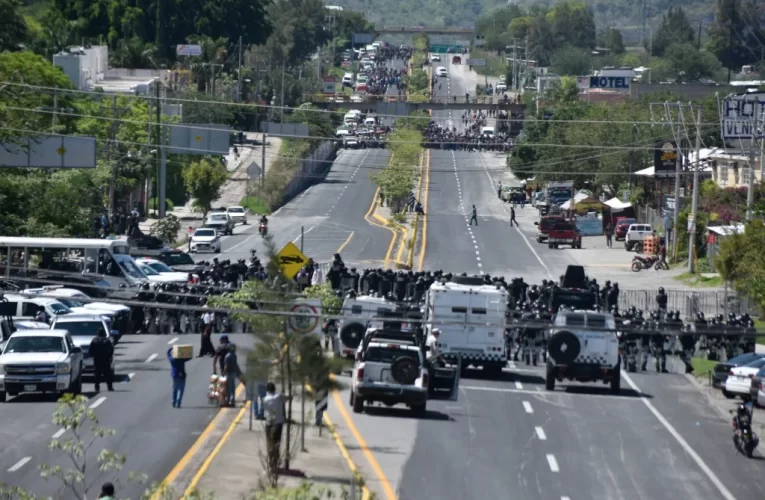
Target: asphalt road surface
x,y
330,213
148,430
510,438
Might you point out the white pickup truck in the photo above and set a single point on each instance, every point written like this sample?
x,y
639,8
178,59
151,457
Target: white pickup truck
x,y
44,361
391,374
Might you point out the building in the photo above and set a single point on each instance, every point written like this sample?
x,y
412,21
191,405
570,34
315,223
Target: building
x,y
730,169
88,69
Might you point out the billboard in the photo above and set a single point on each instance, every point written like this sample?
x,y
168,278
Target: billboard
x,y
285,129
743,116
188,50
199,139
46,151
665,159
362,38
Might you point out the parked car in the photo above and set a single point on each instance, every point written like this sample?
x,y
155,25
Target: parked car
x,y
636,234
739,381
757,390
622,225
721,370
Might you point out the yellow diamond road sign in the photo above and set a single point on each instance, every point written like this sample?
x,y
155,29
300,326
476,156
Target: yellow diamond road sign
x,y
291,260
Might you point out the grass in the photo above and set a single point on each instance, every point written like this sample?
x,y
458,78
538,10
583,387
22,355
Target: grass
x,y
495,65
700,281
702,367
255,205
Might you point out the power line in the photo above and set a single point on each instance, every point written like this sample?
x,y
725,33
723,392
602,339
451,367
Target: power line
x,y
309,110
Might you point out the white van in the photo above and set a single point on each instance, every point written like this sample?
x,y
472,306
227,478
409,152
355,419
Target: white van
x,y
370,122
488,131
348,80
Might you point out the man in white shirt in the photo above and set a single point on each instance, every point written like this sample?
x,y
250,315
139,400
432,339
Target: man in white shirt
x,y
274,411
432,342
207,348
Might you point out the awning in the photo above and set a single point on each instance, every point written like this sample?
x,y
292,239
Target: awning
x,y
582,203
727,230
617,204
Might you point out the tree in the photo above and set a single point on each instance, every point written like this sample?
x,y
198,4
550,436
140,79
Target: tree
x,y
519,27
747,29
13,27
167,229
612,39
572,23
571,60
280,355
690,65
674,28
540,41
204,179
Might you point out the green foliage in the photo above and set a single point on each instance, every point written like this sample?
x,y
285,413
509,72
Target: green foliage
x,y
612,39
748,33
13,27
331,304
397,180
153,204
255,205
572,61
204,179
742,262
418,82
674,29
167,229
298,30
118,20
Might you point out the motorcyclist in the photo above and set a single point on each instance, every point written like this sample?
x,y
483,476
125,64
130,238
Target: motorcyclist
x,y
264,220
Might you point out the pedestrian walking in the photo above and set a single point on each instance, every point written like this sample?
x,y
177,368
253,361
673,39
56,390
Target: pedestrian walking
x,y
609,234
178,374
257,403
474,217
206,347
232,372
102,351
499,190
512,217
275,411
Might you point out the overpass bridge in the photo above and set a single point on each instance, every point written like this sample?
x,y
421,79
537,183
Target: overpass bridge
x,y
428,30
403,107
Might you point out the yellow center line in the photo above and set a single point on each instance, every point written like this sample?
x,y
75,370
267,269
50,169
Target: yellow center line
x,y
387,488
346,242
425,209
184,461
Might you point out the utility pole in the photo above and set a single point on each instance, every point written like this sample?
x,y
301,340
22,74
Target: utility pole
x,y
160,194
526,63
55,109
239,74
678,171
730,37
695,199
512,82
112,137
284,64
263,161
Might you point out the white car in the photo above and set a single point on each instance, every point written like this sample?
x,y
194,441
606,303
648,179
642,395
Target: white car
x,y
502,78
237,214
500,87
637,233
205,240
83,328
435,58
162,269
348,80
441,71
156,277
739,381
40,361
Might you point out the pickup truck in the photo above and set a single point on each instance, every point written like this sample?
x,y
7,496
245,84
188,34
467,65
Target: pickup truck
x,y
545,224
564,233
44,361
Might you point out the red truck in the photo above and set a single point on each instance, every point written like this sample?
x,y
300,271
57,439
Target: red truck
x,y
545,224
564,233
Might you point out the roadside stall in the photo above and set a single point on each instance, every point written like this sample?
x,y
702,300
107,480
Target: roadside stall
x,y
587,213
616,210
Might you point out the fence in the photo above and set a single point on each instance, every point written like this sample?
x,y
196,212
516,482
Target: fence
x,y
690,302
648,215
312,171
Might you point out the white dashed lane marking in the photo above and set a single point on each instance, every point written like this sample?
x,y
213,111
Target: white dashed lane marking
x,y
18,465
151,358
518,385
98,402
553,463
527,407
172,341
540,433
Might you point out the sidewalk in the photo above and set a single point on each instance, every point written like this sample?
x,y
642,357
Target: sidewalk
x,y
234,470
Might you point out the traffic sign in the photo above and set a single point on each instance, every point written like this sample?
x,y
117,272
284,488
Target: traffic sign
x,y
188,50
305,317
291,260
476,62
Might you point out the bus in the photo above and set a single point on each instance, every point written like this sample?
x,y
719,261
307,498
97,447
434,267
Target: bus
x,y
104,263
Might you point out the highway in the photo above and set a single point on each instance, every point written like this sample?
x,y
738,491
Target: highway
x,y
510,438
148,430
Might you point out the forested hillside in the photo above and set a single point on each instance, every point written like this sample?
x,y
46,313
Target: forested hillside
x,y
608,13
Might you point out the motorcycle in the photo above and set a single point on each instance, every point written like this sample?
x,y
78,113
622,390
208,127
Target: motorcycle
x,y
263,229
744,438
639,263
